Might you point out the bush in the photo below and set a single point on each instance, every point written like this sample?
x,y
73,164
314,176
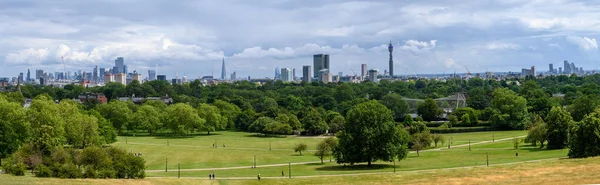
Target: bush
x,y
13,165
43,171
67,170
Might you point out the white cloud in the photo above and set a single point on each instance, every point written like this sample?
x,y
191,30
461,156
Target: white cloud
x,y
502,46
584,43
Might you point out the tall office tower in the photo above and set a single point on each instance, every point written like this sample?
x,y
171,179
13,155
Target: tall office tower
x,y
151,75
233,76
119,66
161,77
573,68
277,74
551,68
125,70
325,76
28,75
306,74
39,73
320,62
121,78
21,77
286,74
101,73
95,73
560,71
223,70
294,74
363,70
581,70
373,75
391,49
567,67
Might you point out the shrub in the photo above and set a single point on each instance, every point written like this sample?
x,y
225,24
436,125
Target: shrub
x,y
14,165
43,171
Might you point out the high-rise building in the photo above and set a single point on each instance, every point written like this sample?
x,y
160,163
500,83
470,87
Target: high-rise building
x,y
560,71
528,72
286,74
581,70
95,73
21,77
121,78
320,62
136,76
391,69
233,76
325,76
39,73
223,73
161,77
109,77
101,73
125,70
306,74
567,67
28,75
363,70
277,74
119,65
294,74
372,74
550,68
573,68
151,75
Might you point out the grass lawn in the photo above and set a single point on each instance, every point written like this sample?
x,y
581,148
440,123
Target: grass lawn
x,y
563,171
241,147
499,152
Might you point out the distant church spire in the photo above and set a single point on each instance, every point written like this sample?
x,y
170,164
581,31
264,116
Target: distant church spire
x,y
223,70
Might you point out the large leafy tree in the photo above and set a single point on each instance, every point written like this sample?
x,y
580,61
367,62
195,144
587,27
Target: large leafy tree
x,y
510,109
395,103
479,98
370,135
183,119
312,121
214,120
229,111
117,112
584,105
558,122
429,110
584,140
14,127
148,118
47,126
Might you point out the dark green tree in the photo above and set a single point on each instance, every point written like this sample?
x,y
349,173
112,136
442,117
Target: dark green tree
x,y
429,110
584,140
395,103
558,121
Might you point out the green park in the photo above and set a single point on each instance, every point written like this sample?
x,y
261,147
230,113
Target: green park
x,y
308,133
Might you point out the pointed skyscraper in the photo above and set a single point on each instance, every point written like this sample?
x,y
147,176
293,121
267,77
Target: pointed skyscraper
x,y
391,49
223,72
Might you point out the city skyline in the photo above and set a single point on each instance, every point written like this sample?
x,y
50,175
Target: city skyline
x,y
435,37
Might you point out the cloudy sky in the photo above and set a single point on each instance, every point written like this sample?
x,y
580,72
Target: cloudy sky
x,y
190,37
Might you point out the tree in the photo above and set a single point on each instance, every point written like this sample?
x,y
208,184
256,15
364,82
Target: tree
x,y
245,119
510,109
437,138
470,112
429,110
584,105
452,120
323,150
370,134
516,142
584,140
117,112
313,122
300,147
395,103
421,141
408,120
214,120
537,133
268,107
337,123
479,98
229,111
558,121
466,119
147,117
291,120
182,119
14,127
47,126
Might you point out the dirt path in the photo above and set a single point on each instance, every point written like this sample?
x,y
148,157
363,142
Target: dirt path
x,y
300,163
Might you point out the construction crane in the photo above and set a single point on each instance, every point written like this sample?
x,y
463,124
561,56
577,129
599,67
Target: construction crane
x,y
468,72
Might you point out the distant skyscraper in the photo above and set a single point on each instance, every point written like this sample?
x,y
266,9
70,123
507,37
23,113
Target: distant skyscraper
x,y
161,77
567,67
573,68
306,74
325,76
125,70
28,75
95,73
286,74
277,74
136,76
119,65
372,73
363,70
38,74
560,71
21,77
121,78
551,68
151,75
101,73
294,74
223,73
320,62
233,76
391,49
109,77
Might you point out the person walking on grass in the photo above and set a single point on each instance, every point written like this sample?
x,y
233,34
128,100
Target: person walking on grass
x,y
282,174
258,177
